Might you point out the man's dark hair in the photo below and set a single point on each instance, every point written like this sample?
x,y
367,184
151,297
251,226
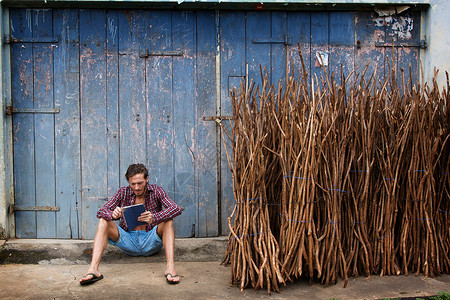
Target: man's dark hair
x,y
136,169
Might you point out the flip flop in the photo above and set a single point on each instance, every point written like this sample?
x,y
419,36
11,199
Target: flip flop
x,y
94,278
173,276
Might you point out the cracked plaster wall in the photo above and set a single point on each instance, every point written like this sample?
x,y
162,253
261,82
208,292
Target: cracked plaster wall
x,y
436,23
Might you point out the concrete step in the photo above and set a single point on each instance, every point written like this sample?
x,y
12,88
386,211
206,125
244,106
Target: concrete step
x,y
51,251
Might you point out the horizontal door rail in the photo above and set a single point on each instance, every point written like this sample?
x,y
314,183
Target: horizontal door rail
x,y
12,110
8,39
422,44
287,40
147,53
14,208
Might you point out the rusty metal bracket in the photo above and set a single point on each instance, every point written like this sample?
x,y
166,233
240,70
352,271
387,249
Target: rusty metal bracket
x,y
217,119
12,110
422,44
14,208
146,53
287,40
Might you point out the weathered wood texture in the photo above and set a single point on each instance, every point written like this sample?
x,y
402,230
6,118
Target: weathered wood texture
x,y
117,107
134,86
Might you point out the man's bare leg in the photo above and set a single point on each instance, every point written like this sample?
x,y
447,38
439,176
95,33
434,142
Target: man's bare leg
x,y
167,232
104,229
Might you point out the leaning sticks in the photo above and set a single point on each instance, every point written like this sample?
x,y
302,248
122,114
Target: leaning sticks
x,y
338,180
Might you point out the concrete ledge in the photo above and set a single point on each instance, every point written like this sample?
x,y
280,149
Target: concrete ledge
x,y
47,251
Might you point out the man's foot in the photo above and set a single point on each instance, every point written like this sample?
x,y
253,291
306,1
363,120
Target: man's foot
x,y
90,278
172,279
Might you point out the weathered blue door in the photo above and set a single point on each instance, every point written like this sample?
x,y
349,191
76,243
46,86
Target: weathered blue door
x,y
95,90
328,40
121,87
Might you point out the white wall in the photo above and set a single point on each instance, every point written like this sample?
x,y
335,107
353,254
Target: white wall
x,y
435,29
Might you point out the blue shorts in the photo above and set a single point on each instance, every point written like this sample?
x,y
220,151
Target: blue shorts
x,y
138,242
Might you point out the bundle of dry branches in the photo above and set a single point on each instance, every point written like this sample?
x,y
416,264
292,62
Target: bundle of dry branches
x,y
338,180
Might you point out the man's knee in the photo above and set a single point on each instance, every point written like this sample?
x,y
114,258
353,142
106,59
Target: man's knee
x,y
106,226
102,223
164,227
169,223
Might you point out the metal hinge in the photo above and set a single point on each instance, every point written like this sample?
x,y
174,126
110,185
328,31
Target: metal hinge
x,y
8,39
217,119
287,40
12,110
14,208
146,53
422,44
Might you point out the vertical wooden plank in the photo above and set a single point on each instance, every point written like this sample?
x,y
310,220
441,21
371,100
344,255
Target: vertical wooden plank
x,y
258,27
408,32
232,70
342,44
183,35
44,123
160,110
319,45
67,123
369,30
299,27
93,116
8,137
112,102
399,28
132,100
23,124
390,53
206,154
278,50
160,121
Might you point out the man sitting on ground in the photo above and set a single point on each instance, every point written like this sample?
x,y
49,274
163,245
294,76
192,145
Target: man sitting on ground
x,y
144,239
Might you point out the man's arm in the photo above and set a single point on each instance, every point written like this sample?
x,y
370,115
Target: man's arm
x,y
171,209
110,211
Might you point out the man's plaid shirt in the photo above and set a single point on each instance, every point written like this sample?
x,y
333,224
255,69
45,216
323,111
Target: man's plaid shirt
x,y
156,201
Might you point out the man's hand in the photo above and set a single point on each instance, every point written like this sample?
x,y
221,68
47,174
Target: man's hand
x,y
146,217
117,213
